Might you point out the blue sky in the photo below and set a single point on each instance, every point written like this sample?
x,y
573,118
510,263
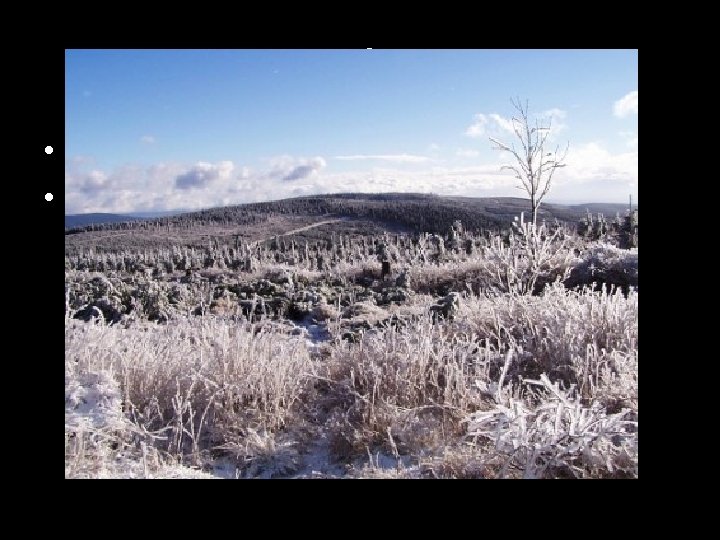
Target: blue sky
x,y
181,129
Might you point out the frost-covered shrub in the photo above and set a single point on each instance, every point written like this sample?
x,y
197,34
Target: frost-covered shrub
x,y
100,439
523,262
608,265
573,336
87,291
553,434
92,401
532,256
415,381
196,386
94,421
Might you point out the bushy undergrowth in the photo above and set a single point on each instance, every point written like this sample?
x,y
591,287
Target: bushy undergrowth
x,y
605,264
512,386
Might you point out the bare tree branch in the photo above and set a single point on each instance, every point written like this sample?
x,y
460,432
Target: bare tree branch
x,y
535,167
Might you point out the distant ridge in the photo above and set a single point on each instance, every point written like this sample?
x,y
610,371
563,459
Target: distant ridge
x,y
81,220
608,209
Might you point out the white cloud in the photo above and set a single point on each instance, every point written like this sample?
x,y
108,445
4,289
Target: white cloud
x,y
555,118
291,169
466,181
465,153
505,124
626,105
592,162
147,139
495,125
301,172
125,189
395,158
203,173
592,174
478,127
489,124
94,181
168,186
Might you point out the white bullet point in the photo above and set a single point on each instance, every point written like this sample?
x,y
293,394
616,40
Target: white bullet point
x,y
48,149
48,197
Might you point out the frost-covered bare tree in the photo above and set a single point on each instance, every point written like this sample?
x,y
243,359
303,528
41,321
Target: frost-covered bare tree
x,y
534,166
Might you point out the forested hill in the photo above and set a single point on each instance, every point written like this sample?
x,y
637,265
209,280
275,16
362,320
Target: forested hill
x,y
412,211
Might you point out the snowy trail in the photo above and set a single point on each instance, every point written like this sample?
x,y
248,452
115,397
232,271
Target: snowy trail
x,y
306,228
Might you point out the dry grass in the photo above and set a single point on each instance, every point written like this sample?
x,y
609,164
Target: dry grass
x,y
512,385
193,389
404,389
586,338
419,391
